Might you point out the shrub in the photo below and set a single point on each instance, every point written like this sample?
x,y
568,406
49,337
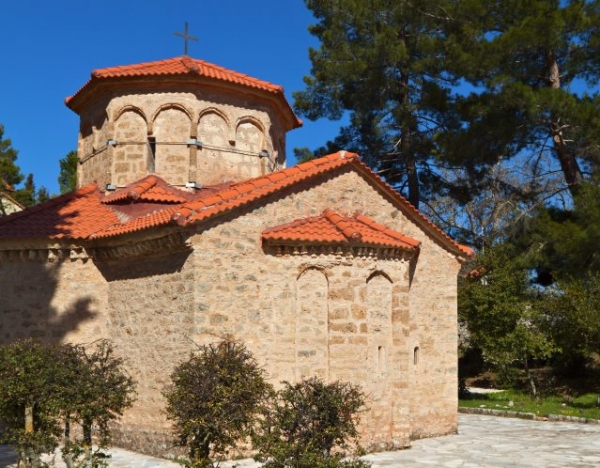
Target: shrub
x,y
29,399
213,400
44,388
96,390
310,425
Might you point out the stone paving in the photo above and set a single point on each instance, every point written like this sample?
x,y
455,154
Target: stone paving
x,y
483,441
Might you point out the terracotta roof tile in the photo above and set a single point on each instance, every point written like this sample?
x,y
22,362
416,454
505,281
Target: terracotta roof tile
x,y
183,65
294,175
76,215
86,213
157,218
332,228
151,189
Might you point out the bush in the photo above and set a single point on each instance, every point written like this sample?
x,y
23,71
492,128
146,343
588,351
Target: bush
x,y
213,400
44,388
310,425
96,391
30,399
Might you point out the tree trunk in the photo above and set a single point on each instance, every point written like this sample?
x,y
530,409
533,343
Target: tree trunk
x,y
568,163
530,378
68,458
87,442
407,150
30,458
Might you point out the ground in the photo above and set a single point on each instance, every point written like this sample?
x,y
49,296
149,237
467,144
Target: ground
x,y
483,441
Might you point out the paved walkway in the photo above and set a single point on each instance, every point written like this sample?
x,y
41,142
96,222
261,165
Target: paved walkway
x,y
483,441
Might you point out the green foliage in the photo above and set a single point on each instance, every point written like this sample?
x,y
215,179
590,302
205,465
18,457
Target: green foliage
x,y
524,58
582,406
26,195
9,171
446,99
563,243
310,425
572,317
67,179
213,400
96,390
30,376
44,388
501,312
383,64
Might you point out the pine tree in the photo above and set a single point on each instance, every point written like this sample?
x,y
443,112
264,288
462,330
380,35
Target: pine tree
x,y
67,179
10,173
26,195
526,60
382,63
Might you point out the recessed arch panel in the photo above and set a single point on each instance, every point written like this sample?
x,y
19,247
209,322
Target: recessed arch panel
x,y
312,291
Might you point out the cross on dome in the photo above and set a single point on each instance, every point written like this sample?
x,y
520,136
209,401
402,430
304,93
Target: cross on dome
x,y
186,38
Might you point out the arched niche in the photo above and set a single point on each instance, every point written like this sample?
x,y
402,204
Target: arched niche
x,y
249,136
312,290
171,131
99,132
379,321
130,154
380,349
214,129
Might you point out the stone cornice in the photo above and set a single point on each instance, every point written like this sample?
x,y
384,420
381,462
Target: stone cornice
x,y
339,251
172,242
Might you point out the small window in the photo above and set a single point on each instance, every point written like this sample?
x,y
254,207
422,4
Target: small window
x,y
416,355
151,154
381,359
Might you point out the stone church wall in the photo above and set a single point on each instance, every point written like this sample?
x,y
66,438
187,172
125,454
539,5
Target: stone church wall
x,y
358,318
151,314
363,314
51,299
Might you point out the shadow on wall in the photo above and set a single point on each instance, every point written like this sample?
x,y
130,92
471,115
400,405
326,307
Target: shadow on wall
x,y
46,294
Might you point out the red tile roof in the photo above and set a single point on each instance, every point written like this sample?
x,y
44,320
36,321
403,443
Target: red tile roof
x,y
74,216
181,66
332,228
252,190
150,189
185,65
87,214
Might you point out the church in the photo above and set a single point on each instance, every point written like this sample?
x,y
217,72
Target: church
x,y
187,227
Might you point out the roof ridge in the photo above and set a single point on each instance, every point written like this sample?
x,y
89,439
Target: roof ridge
x,y
296,173
414,213
385,230
338,221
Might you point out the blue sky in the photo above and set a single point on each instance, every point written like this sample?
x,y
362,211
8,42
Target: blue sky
x,y
49,49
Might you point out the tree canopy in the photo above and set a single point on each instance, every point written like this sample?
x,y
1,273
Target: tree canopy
x,y
438,95
11,177
67,179
384,64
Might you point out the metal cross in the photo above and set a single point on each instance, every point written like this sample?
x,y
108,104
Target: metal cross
x,y
187,38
